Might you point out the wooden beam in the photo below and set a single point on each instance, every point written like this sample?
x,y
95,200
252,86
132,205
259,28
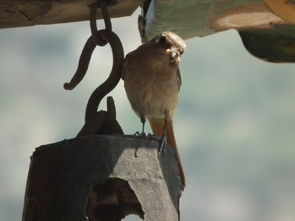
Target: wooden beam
x,y
193,18
18,13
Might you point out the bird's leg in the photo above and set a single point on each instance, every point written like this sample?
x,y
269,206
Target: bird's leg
x,y
142,119
164,138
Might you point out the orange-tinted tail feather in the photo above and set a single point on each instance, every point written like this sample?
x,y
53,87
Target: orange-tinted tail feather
x,y
157,125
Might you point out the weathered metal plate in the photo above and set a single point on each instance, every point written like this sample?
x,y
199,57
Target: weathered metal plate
x,y
62,175
17,13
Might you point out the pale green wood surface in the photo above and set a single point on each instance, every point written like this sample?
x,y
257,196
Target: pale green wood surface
x,y
264,34
189,18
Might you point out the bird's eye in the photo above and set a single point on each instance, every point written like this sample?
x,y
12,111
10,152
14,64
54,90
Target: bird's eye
x,y
181,52
162,40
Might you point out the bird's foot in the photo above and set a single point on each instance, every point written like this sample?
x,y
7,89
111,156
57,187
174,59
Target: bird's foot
x,y
142,134
163,145
150,136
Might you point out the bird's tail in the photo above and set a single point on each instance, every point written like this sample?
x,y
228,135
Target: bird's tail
x,y
158,128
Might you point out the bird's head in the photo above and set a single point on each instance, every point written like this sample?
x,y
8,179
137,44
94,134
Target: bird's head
x,y
173,45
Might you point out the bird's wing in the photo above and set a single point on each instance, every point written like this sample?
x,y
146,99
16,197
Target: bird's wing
x,y
179,78
124,67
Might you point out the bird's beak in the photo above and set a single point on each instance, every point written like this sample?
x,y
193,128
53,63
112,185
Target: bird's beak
x,y
172,52
174,56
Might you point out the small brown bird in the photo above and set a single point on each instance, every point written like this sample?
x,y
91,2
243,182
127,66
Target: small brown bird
x,y
152,81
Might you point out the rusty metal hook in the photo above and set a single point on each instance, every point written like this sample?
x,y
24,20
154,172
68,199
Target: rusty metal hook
x,y
118,58
111,82
101,38
90,45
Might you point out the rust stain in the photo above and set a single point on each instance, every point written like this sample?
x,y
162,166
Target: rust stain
x,y
252,16
283,8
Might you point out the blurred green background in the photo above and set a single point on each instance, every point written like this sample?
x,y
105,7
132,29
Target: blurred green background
x,y
234,125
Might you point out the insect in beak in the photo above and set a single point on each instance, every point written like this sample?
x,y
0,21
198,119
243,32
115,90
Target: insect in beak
x,y
173,55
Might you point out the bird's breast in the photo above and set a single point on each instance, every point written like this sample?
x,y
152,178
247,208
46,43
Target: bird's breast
x,y
151,84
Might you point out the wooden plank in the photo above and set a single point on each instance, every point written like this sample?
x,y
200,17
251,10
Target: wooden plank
x,y
204,17
267,35
18,13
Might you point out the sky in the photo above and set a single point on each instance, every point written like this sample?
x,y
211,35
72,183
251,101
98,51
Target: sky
x,y
234,124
